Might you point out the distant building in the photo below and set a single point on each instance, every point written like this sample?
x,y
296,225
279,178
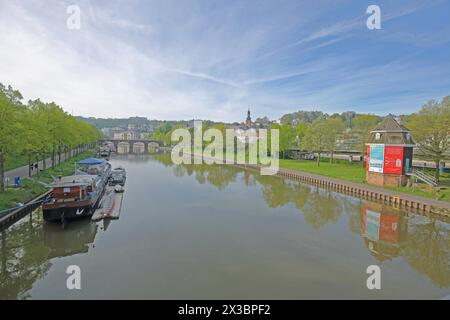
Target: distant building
x,y
127,135
145,135
115,130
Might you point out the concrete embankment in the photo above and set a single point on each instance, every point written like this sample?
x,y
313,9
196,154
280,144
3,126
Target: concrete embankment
x,y
10,218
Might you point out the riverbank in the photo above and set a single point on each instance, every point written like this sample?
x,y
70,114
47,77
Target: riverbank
x,y
390,196
30,188
355,173
393,198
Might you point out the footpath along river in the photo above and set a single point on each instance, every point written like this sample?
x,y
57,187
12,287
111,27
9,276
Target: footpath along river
x,y
220,232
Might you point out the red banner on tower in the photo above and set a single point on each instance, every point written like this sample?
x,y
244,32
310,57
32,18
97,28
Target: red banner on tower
x,y
393,160
367,157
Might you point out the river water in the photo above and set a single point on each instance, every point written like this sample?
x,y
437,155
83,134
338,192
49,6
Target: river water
x,y
219,232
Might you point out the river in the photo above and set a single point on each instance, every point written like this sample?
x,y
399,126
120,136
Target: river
x,y
219,232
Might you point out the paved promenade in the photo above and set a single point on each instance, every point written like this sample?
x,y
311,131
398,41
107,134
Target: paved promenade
x,y
22,172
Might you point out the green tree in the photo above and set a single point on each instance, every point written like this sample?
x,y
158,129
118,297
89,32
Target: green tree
x,y
163,133
287,137
317,137
33,141
11,130
335,126
40,115
430,129
362,125
300,131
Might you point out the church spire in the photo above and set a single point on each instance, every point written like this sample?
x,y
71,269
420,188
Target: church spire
x,y
248,121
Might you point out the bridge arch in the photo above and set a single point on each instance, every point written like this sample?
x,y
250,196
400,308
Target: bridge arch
x,y
123,147
139,147
132,146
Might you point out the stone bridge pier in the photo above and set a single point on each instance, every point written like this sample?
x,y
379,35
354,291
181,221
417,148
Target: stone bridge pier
x,y
134,146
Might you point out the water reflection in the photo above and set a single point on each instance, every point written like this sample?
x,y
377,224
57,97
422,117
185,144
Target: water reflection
x,y
198,248
422,242
76,238
28,247
387,232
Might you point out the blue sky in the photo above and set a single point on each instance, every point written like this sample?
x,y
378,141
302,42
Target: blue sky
x,y
214,59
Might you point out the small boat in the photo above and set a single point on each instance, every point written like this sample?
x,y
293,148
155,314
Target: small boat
x,y
118,177
120,169
105,152
118,188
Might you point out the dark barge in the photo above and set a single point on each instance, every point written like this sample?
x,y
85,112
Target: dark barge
x,y
78,195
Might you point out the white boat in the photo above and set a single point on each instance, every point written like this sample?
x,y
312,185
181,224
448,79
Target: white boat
x,y
118,188
118,177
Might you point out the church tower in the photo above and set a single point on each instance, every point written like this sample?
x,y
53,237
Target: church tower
x,y
248,121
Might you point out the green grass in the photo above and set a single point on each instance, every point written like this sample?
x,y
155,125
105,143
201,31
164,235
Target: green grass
x,y
27,191
355,173
30,189
66,168
342,170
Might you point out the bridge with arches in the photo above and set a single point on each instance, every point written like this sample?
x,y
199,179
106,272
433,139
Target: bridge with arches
x,y
133,146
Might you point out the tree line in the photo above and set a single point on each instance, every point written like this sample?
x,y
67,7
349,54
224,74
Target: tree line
x,y
320,133
37,130
429,128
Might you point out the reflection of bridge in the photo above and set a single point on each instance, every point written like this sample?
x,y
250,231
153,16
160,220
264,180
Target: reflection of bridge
x,y
134,145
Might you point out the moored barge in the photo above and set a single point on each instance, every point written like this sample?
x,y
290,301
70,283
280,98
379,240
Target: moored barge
x,y
78,195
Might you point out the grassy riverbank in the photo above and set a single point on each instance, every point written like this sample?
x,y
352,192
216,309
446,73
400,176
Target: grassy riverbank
x,y
66,168
355,173
27,191
30,189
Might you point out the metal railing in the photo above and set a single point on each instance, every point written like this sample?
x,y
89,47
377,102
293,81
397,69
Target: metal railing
x,y
421,175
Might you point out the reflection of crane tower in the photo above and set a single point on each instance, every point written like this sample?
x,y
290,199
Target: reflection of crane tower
x,y
248,121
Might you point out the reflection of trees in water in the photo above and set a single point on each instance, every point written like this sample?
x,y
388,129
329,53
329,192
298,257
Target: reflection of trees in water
x,y
425,246
162,158
354,213
24,258
221,177
179,171
319,207
276,192
216,175
28,246
427,250
322,208
248,178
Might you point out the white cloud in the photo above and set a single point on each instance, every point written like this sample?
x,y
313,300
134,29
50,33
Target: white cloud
x,y
179,62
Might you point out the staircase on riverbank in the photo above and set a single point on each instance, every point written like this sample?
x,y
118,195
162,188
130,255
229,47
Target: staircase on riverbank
x,y
422,176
